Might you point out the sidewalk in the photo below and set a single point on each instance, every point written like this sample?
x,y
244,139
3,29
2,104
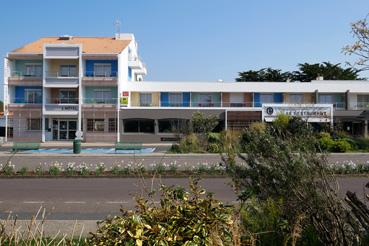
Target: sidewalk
x,y
64,144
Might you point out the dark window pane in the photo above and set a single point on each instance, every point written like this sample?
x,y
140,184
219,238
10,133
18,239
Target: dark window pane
x,y
147,126
130,125
112,125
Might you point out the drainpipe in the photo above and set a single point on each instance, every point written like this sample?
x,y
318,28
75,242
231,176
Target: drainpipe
x,y
347,94
316,96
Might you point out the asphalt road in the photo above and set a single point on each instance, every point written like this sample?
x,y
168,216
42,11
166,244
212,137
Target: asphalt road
x,y
96,198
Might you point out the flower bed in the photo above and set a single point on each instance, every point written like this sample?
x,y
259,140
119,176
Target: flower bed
x,y
71,169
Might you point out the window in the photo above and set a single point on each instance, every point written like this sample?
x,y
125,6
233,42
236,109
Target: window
x,y
68,96
129,74
33,70
362,101
139,126
68,71
33,124
32,96
112,125
175,99
172,125
266,98
102,70
296,98
236,99
336,99
145,99
103,95
95,125
205,100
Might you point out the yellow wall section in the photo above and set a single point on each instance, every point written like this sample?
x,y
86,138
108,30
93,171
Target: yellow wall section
x,y
308,98
135,99
155,99
54,65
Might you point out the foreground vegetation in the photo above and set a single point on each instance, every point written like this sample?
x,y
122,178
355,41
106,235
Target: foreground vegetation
x,y
285,197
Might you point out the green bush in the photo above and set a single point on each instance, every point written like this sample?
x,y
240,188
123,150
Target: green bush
x,y
341,146
214,148
190,144
325,141
182,218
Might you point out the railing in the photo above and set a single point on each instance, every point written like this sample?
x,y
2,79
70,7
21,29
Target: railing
x,y
23,100
360,106
24,74
94,74
336,105
61,100
59,74
100,101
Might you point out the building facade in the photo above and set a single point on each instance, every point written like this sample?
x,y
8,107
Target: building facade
x,y
56,86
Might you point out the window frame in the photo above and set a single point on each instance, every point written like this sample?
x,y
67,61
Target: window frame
x,y
94,126
104,97
145,96
27,93
69,69
31,70
106,70
30,124
173,95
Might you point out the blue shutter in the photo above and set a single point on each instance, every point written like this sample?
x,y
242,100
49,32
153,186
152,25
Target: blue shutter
x,y
257,102
114,68
278,97
164,99
19,94
89,68
186,99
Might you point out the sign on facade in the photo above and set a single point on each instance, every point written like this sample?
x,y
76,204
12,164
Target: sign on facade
x,y
319,113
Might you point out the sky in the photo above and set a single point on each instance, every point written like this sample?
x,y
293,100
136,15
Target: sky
x,y
196,40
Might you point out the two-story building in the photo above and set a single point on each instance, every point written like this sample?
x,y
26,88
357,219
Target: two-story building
x,y
56,86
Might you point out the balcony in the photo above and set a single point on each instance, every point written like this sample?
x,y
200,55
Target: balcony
x,y
20,77
360,106
61,109
25,102
135,63
93,78
65,79
100,103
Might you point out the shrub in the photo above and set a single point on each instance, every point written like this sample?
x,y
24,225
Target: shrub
x,y
341,146
182,218
23,171
8,169
258,127
54,170
190,144
214,148
325,141
202,124
100,168
281,121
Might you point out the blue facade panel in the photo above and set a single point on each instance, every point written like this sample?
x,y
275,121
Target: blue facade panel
x,y
278,97
20,93
90,67
129,74
164,99
186,99
257,102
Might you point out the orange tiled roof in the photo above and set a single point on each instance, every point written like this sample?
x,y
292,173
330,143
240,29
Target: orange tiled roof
x,y
90,45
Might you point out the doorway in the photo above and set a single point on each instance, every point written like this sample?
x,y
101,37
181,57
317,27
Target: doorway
x,y
64,129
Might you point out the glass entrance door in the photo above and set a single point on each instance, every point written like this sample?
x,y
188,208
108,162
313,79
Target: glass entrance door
x,y
64,129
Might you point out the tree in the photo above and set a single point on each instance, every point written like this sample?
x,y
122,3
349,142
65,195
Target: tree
x,y
282,163
307,72
264,74
360,47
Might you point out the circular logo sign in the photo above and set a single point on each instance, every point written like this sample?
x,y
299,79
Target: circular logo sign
x,y
269,110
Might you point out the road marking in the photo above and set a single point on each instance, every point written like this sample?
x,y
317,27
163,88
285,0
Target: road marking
x,y
116,202
33,202
75,202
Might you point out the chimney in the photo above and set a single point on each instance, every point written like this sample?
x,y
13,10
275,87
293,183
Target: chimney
x,y
65,37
